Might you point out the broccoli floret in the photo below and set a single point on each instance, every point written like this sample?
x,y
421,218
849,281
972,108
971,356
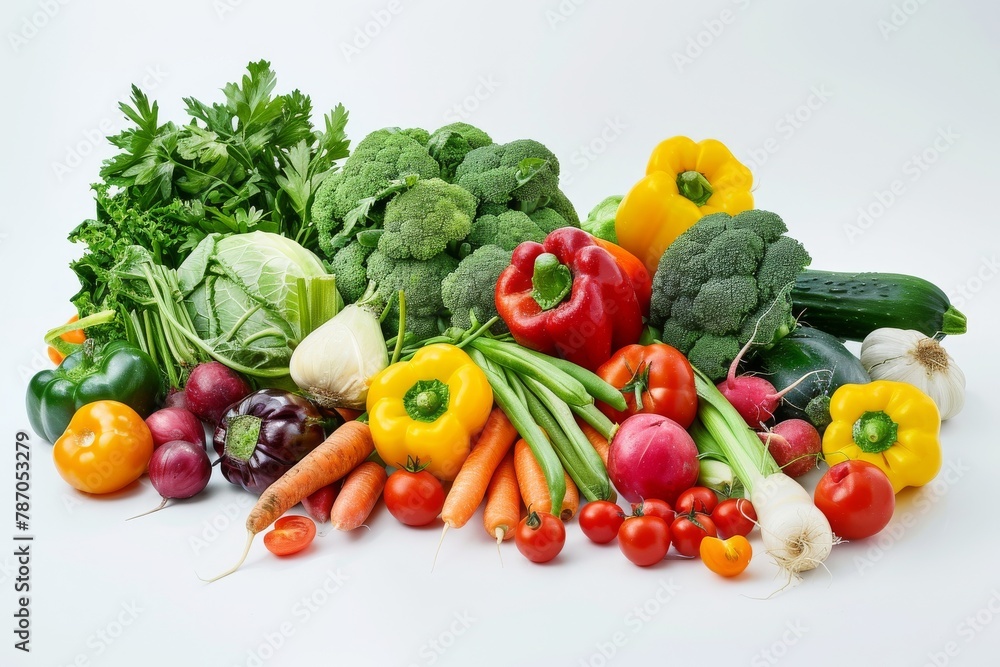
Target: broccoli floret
x,y
380,158
724,281
450,144
421,221
420,135
471,287
561,204
420,281
348,265
506,230
600,221
523,174
548,219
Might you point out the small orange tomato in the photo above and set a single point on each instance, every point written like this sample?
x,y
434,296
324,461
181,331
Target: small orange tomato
x,y
77,337
106,447
726,557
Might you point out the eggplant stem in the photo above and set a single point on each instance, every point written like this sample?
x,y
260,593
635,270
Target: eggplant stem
x,y
228,572
155,509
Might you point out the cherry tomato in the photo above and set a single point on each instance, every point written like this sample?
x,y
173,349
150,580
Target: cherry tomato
x,y
656,376
414,496
734,516
654,507
106,447
644,540
726,557
857,499
291,534
688,530
701,499
540,537
600,521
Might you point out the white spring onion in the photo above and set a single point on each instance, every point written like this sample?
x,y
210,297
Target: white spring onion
x,y
909,356
795,532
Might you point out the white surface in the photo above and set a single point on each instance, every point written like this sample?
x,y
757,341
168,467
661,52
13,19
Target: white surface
x,y
598,69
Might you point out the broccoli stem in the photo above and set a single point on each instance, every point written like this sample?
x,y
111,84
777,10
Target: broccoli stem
x,y
694,186
550,282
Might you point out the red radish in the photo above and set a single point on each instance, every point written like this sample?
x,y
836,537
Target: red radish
x,y
652,457
319,503
177,398
171,424
178,469
795,445
754,398
213,387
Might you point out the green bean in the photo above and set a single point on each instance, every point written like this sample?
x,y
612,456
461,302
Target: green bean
x,y
516,358
592,382
596,418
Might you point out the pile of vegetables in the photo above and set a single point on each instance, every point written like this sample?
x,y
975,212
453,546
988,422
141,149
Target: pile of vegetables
x,y
426,321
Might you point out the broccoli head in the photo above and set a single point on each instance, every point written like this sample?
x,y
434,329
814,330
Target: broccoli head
x,y
380,159
505,230
348,266
472,286
420,281
522,174
450,144
600,221
421,221
726,280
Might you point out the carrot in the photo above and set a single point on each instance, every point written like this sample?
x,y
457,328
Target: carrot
x,y
336,456
534,489
503,501
596,439
469,487
361,490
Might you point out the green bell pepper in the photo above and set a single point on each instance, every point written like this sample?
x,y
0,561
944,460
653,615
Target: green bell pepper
x,y
119,372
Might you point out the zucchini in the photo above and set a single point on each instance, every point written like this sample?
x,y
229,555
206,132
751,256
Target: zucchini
x,y
803,351
852,305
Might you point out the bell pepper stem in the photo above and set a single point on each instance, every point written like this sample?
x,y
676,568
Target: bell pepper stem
x,y
875,432
551,281
426,400
694,186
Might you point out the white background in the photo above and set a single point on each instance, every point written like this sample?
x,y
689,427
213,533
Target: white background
x,y
829,103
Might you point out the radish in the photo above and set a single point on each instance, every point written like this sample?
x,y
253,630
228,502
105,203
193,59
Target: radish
x,y
795,445
178,469
754,398
177,398
319,503
211,388
652,456
171,424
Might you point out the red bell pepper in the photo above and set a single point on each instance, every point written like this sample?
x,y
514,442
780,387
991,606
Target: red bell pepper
x,y
570,298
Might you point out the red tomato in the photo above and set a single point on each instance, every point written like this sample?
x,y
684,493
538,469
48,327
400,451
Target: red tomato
x,y
734,516
415,498
656,376
701,499
600,521
688,530
291,534
857,499
644,540
654,507
540,537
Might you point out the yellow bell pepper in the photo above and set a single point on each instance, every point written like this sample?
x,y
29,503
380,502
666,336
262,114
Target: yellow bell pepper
x,y
891,424
429,408
684,181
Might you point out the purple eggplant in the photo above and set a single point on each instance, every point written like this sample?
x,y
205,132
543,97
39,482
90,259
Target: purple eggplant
x,y
263,435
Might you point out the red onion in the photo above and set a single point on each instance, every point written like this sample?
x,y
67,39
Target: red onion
x,y
175,424
178,469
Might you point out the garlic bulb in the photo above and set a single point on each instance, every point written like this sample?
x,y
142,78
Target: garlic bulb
x,y
910,356
335,364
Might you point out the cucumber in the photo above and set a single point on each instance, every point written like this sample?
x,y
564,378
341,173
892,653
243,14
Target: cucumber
x,y
802,351
852,305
